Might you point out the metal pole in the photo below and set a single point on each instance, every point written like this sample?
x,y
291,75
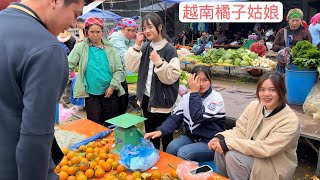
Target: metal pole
x,y
140,7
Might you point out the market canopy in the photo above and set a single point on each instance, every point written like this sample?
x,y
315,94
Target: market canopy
x,y
106,15
160,6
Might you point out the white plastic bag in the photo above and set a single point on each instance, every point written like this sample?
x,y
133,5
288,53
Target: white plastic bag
x,y
311,105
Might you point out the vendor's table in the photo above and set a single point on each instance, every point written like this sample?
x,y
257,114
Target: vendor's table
x,y
89,128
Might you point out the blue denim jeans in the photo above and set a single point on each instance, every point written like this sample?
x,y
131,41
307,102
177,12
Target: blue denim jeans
x,y
189,150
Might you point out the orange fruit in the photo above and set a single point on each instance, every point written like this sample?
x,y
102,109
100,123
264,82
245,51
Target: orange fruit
x,y
82,148
97,158
103,156
106,166
110,160
136,174
82,177
97,167
72,178
89,173
130,177
63,162
110,177
65,150
91,145
155,174
174,174
84,160
83,166
99,173
71,154
92,164
89,150
110,155
89,156
79,173
99,144
122,176
72,171
63,175
115,164
96,150
57,169
101,162
64,168
121,168
75,160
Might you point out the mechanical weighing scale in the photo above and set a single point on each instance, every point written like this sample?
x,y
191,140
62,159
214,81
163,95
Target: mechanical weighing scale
x,y
126,132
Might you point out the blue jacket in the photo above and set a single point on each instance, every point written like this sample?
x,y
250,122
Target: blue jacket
x,y
33,75
203,117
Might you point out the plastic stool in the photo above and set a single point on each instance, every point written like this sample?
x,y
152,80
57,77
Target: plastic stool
x,y
209,163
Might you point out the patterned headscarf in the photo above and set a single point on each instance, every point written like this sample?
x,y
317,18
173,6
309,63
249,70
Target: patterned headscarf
x,y
315,19
295,13
123,23
91,21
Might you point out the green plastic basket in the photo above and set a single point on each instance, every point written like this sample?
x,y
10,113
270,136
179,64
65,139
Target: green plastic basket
x,y
132,78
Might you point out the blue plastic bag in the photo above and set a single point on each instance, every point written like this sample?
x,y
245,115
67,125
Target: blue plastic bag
x,y
100,135
75,101
139,158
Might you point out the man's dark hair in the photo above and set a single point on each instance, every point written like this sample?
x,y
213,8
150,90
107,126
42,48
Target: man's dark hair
x,y
80,20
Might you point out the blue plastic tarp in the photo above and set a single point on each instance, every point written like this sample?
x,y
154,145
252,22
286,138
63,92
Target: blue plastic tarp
x,y
106,15
100,135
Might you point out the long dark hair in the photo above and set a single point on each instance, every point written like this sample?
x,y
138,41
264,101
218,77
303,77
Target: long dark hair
x,y
157,22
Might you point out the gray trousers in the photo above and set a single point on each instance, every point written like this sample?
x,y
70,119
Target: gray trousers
x,y
234,165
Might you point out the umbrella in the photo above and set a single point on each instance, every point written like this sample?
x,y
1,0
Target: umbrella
x,y
106,15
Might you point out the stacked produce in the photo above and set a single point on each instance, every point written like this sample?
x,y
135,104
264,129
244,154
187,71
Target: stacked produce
x,y
194,59
264,63
94,161
236,57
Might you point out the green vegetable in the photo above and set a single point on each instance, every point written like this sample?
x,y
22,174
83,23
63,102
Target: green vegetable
x,y
305,55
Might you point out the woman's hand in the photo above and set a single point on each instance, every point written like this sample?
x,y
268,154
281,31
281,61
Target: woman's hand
x,y
154,56
153,135
108,92
139,38
214,144
194,83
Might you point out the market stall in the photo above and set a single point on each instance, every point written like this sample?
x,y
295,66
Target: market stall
x,y
228,58
88,128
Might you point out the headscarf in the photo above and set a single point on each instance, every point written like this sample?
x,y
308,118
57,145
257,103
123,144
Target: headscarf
x,y
123,23
297,13
92,21
315,19
294,13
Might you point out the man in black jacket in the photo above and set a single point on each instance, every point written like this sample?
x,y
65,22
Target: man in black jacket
x,y
33,72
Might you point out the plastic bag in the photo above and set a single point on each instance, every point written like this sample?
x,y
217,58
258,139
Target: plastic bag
x,y
75,101
311,105
139,158
184,172
65,113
